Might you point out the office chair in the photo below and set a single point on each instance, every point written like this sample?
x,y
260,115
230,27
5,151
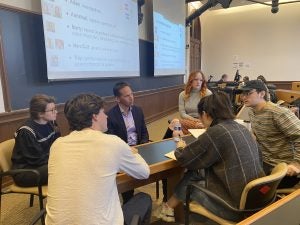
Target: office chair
x,y
282,192
256,195
6,149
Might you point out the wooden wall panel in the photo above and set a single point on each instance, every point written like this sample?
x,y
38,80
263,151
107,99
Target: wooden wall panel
x,y
155,103
282,84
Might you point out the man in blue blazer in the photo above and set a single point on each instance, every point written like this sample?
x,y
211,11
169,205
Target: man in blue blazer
x,y
127,121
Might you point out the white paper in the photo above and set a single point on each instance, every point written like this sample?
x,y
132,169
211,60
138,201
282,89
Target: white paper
x,y
196,132
170,155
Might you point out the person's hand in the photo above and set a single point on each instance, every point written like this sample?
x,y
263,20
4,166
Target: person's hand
x,y
173,123
293,169
134,150
200,125
180,144
177,134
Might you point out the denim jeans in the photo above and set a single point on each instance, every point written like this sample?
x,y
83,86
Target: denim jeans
x,y
140,204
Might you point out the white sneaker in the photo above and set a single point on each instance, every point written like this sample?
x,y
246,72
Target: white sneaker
x,y
166,213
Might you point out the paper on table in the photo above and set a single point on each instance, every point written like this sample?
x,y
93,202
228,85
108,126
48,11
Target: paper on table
x,y
170,155
196,132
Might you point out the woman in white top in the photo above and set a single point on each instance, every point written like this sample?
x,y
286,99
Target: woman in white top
x,y
195,89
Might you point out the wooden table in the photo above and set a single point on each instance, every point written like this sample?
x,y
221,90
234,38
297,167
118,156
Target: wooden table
x,y
160,167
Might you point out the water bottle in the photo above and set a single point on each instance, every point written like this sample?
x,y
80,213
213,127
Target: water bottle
x,y
177,131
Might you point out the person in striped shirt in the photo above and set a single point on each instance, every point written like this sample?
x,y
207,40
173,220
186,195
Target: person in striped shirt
x,y
277,131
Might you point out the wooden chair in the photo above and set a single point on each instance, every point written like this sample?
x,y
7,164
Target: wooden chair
x,y
6,170
256,195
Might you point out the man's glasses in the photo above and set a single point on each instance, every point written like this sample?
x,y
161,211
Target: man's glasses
x,y
247,93
52,110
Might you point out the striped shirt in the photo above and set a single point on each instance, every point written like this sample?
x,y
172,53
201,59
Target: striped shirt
x,y
277,132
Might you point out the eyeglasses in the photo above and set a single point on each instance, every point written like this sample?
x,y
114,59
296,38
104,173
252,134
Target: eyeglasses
x,y
248,93
52,110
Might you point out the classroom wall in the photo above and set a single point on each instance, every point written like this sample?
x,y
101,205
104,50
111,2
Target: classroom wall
x,y
158,96
24,66
254,40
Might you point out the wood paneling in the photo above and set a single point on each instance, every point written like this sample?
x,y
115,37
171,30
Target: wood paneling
x,y
282,84
155,103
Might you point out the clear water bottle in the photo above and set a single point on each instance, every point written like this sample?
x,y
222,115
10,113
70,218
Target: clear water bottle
x,y
177,131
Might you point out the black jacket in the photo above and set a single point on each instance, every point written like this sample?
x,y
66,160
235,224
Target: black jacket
x,y
116,124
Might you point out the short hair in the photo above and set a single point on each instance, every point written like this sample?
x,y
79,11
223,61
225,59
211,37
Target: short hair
x,y
246,78
38,104
218,106
79,110
118,86
224,75
262,78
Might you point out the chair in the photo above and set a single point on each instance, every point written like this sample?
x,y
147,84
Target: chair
x,y
6,149
282,192
256,195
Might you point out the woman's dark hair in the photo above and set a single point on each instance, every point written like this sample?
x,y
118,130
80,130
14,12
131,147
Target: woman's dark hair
x,y
79,110
217,106
38,104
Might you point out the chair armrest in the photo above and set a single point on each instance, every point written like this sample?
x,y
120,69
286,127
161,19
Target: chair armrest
x,y
219,200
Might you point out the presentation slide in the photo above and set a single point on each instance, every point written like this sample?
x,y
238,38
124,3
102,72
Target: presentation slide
x,y
91,38
169,37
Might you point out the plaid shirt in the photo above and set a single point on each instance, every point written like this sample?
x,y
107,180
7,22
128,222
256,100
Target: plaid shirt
x,y
230,157
277,131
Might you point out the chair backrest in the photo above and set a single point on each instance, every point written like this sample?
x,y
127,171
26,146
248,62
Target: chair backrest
x,y
6,148
262,191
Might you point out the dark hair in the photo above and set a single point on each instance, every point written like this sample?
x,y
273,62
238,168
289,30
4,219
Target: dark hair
x,y
118,86
38,104
262,78
79,110
224,75
246,79
217,106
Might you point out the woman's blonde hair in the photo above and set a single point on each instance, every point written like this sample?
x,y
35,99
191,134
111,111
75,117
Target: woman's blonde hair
x,y
188,86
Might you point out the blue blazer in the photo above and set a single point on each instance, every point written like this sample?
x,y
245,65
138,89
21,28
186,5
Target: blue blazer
x,y
116,124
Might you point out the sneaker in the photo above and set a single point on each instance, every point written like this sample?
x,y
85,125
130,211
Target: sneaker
x,y
166,213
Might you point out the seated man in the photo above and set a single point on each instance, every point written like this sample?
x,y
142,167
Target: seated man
x,y
277,131
224,79
226,151
82,170
127,121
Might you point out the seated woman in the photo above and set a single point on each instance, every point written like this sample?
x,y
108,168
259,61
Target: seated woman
x,y
33,141
195,89
226,153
